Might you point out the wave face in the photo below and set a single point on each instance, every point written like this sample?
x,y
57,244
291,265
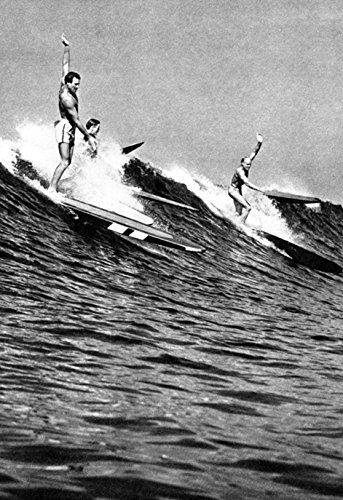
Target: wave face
x,y
134,371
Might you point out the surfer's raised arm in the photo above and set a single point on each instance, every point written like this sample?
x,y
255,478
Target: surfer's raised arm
x,y
65,58
259,139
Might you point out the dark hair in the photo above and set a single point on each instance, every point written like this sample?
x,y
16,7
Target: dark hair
x,y
91,122
70,77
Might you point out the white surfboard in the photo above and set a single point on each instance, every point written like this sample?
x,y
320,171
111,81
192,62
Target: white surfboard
x,y
132,213
128,227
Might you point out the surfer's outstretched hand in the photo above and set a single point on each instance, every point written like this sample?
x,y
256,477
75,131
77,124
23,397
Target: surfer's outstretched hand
x,y
64,40
259,137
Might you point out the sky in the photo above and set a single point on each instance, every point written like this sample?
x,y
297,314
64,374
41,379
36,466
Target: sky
x,y
194,79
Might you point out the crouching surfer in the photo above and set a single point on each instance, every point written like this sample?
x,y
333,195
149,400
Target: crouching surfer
x,y
69,111
240,177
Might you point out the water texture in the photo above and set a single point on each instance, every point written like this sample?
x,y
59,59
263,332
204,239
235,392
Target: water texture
x,y
133,371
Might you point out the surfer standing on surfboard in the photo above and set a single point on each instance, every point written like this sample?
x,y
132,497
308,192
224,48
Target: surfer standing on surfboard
x,y
69,110
240,177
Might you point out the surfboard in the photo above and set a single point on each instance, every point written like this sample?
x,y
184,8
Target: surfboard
x,y
128,227
303,255
128,149
291,198
154,197
131,213
120,209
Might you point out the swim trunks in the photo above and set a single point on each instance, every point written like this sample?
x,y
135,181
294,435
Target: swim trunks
x,y
64,132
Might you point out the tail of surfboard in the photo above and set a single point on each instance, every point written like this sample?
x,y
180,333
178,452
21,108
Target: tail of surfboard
x,y
128,149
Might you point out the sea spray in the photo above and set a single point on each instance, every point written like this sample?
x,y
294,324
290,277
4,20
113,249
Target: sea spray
x,y
100,182
264,214
97,181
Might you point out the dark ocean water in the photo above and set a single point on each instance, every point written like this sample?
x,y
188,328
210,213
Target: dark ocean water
x,y
131,371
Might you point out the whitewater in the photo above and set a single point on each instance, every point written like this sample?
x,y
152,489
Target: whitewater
x,y
134,371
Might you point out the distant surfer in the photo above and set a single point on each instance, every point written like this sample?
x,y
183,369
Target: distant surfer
x,y
240,177
93,127
66,126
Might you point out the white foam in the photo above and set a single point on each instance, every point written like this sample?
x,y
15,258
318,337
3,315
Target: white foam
x,y
264,215
97,181
37,144
7,153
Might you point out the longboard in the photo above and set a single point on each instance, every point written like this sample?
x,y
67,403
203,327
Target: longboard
x,y
129,227
131,213
154,197
303,255
291,198
124,211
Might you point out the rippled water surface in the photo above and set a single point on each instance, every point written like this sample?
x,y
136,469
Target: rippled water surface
x,y
136,372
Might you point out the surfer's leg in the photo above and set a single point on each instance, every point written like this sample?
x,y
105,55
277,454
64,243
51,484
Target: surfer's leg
x,y
245,215
64,151
238,207
71,151
240,204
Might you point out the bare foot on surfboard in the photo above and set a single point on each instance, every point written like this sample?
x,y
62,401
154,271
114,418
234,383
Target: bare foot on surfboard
x,y
54,195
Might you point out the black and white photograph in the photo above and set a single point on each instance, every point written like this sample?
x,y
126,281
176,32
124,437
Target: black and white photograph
x,y
171,249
